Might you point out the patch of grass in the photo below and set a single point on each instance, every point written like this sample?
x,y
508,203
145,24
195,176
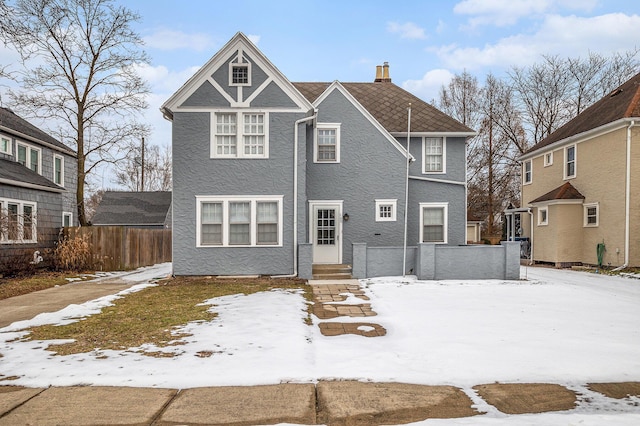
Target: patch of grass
x,y
151,315
16,286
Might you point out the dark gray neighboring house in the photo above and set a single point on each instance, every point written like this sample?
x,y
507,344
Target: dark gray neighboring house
x,y
268,174
134,209
37,192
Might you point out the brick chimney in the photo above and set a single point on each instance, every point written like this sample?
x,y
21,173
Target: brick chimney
x,y
382,73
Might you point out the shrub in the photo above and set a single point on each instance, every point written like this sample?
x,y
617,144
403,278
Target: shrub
x,y
73,253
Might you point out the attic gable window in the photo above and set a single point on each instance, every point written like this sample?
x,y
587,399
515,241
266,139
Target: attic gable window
x,y
327,143
433,150
240,75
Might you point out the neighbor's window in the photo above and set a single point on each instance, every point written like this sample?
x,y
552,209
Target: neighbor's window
x,y
17,221
433,222
386,210
239,221
5,144
543,215
251,135
570,162
240,75
548,159
327,146
30,157
434,155
591,213
67,219
58,170
527,174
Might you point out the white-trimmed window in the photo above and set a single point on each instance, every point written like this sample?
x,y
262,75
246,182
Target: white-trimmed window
x,y
5,144
527,173
239,74
434,155
548,159
543,216
30,157
240,135
591,215
17,221
239,221
67,219
327,144
386,210
58,169
570,162
433,222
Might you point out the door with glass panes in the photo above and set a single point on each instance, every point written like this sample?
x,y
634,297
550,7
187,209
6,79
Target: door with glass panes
x,y
326,233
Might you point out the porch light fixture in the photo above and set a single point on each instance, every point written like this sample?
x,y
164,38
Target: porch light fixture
x,y
345,217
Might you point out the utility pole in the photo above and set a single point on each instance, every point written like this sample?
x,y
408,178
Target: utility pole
x,y
142,167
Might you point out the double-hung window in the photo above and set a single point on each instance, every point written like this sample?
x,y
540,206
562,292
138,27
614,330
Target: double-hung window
x,y
58,170
570,162
30,157
527,172
543,216
239,221
5,144
327,143
17,221
433,222
591,215
67,219
240,135
433,155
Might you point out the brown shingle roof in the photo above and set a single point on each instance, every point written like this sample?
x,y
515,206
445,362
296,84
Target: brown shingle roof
x,y
564,192
388,104
624,102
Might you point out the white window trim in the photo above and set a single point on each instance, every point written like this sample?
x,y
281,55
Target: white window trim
x,y
524,172
239,64
239,135
575,162
3,207
2,135
548,159
387,202
586,209
445,233
29,148
444,156
65,214
326,126
542,222
55,156
225,200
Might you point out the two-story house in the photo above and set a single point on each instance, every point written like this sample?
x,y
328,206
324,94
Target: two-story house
x,y
269,174
37,190
581,186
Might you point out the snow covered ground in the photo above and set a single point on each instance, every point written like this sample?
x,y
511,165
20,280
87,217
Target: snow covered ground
x,y
555,326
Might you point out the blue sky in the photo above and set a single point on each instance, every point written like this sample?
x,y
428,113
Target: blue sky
x,y
425,42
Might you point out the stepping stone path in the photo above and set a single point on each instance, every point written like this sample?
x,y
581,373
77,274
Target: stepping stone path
x,y
328,295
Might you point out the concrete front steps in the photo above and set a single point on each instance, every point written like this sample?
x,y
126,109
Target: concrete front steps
x,y
331,272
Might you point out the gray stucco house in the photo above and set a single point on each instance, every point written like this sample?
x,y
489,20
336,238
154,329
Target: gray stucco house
x,y
270,175
37,191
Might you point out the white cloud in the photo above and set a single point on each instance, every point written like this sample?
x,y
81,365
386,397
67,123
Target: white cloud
x,y
407,30
165,39
429,85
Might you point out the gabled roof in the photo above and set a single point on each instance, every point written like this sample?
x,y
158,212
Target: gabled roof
x,y
564,192
11,123
388,104
133,208
15,174
622,103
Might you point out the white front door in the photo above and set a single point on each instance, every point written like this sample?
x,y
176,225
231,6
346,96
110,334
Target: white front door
x,y
326,232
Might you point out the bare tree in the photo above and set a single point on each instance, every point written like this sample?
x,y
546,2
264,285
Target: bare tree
x,y
145,170
79,60
92,202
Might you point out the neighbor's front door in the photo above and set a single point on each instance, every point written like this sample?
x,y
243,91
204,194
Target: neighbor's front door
x,y
327,233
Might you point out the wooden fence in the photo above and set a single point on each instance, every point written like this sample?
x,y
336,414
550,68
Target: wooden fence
x,y
118,248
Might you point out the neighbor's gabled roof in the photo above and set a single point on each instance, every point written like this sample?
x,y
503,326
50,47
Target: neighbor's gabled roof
x,y
21,128
388,104
133,208
564,192
623,103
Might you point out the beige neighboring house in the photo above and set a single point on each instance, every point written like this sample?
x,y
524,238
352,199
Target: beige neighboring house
x,y
581,187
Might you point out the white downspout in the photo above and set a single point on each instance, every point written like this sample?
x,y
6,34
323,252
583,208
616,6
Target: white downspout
x,y
531,238
295,194
406,193
627,197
